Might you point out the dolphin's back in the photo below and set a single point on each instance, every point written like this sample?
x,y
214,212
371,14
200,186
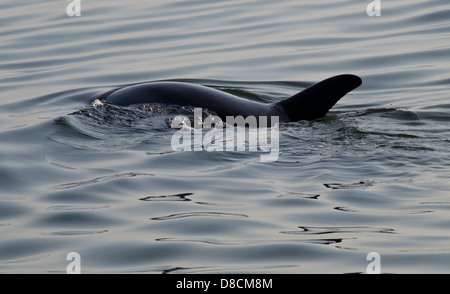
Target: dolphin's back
x,y
186,94
313,102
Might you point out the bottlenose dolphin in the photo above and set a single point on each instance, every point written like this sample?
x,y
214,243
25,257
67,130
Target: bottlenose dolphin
x,y
311,103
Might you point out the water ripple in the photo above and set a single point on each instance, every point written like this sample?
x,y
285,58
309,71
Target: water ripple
x,y
325,241
74,233
176,197
310,230
202,214
100,180
73,207
381,212
359,185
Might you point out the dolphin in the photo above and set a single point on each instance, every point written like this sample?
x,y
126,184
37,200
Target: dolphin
x,y
309,104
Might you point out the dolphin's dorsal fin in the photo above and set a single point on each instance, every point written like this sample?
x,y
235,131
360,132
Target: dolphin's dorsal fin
x,y
315,101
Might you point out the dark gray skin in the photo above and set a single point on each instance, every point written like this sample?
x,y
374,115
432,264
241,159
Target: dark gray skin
x,y
312,103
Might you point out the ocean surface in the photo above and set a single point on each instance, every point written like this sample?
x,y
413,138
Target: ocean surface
x,y
104,181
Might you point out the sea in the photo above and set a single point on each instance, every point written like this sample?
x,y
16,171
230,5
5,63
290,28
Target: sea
x,y
93,188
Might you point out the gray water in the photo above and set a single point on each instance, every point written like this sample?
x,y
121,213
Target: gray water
x,y
103,181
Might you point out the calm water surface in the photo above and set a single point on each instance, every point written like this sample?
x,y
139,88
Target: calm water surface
x,y
103,181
